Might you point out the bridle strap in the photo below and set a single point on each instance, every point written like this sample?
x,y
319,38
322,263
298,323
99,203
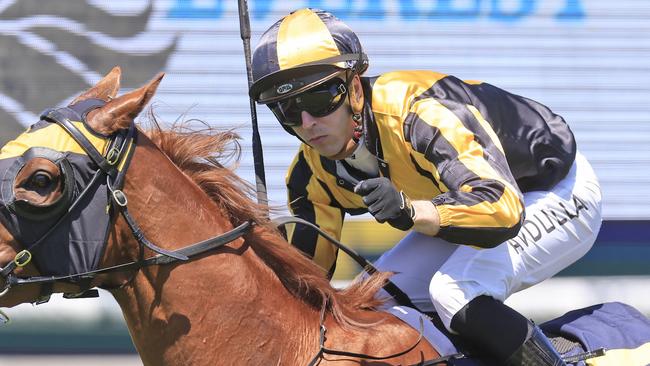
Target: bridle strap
x,y
142,239
190,251
121,150
54,115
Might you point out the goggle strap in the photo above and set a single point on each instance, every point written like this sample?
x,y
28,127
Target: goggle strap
x,y
359,57
342,89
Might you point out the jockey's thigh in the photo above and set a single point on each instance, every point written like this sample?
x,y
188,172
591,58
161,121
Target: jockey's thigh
x,y
560,227
414,260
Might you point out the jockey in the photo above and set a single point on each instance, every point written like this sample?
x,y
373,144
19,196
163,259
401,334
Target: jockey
x,y
455,163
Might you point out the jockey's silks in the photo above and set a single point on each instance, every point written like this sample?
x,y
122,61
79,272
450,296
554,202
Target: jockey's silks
x,y
469,147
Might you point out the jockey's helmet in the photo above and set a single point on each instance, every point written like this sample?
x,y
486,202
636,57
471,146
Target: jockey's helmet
x,y
304,49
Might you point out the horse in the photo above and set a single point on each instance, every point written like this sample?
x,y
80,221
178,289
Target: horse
x,y
90,200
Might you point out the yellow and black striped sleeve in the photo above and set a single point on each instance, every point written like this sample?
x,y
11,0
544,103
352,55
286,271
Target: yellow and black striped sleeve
x,y
310,199
481,204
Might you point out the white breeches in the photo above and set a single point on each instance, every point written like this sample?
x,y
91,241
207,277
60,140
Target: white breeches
x,y
560,227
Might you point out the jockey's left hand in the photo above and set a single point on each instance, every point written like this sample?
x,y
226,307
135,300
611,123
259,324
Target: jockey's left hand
x,y
386,203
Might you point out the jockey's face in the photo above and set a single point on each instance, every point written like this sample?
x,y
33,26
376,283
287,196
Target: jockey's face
x,y
331,135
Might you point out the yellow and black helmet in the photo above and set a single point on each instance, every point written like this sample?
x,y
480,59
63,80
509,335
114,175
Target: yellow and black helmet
x,y
302,50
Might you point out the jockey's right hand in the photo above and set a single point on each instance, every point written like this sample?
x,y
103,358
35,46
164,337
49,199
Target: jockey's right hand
x,y
386,203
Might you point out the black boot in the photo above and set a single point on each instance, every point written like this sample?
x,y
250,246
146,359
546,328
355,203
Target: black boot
x,y
537,350
497,331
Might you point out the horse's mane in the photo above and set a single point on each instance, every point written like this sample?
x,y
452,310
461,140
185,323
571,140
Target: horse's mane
x,y
200,155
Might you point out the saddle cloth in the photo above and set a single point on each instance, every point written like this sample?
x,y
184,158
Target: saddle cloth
x,y
619,328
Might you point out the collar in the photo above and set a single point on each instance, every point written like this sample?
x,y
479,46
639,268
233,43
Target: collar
x,y
371,138
363,160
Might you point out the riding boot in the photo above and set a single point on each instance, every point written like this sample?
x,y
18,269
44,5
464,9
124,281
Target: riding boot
x,y
499,333
537,350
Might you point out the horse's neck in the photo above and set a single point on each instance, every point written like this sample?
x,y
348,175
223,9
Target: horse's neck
x,y
227,304
215,309
226,307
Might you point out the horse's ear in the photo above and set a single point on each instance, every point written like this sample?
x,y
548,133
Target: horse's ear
x,y
120,112
106,89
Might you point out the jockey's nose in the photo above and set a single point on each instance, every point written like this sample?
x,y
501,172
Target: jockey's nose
x,y
307,120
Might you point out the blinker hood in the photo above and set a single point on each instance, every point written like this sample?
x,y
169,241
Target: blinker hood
x,y
73,230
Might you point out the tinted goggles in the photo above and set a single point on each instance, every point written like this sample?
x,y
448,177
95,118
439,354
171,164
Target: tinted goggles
x,y
318,102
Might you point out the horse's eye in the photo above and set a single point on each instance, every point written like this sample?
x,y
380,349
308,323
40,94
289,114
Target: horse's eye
x,y
40,180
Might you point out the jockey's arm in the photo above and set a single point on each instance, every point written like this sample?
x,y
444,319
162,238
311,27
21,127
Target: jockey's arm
x,y
480,203
309,201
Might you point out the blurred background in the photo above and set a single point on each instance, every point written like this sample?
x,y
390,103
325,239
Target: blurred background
x,y
586,59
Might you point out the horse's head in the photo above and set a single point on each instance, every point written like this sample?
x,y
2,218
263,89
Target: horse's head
x,y
56,183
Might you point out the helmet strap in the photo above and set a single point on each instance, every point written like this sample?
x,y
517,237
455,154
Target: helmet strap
x,y
356,116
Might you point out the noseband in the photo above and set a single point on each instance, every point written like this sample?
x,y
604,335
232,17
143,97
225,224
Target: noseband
x,y
112,168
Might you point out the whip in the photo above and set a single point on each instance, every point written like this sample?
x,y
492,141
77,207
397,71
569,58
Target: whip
x,y
258,157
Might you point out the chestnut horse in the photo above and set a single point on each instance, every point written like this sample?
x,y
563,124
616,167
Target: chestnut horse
x,y
253,301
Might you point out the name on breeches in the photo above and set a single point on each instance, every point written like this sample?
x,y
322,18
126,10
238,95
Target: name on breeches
x,y
546,221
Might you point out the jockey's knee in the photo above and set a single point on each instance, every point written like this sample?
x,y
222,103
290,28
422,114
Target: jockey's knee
x,y
450,295
437,287
447,297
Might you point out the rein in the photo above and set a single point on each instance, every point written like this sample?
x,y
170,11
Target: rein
x,y
188,252
389,286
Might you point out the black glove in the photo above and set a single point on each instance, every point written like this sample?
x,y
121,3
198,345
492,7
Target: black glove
x,y
386,203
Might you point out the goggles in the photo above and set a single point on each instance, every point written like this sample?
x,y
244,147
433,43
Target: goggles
x,y
319,101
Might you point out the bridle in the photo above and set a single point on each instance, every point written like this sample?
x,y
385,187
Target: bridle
x,y
112,168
